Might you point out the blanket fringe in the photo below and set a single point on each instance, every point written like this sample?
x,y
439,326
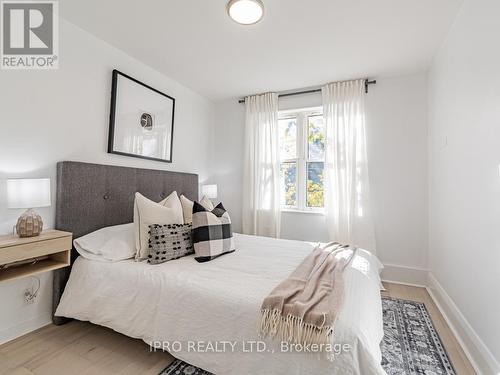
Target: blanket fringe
x,y
293,329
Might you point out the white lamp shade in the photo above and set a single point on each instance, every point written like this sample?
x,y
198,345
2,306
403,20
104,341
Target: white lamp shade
x,y
210,191
28,193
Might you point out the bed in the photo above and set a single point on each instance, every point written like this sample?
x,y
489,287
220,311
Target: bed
x,y
207,314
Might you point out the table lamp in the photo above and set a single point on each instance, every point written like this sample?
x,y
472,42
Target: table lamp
x,y
210,191
29,194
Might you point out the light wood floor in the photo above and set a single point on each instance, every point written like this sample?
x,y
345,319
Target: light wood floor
x,y
83,348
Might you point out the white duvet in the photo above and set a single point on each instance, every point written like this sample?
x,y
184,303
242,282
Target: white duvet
x,y
207,314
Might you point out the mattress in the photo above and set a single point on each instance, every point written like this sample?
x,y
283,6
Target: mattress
x,y
207,314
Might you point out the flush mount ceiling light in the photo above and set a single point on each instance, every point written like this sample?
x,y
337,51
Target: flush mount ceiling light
x,y
245,12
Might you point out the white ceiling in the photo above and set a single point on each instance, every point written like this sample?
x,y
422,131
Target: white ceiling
x,y
299,43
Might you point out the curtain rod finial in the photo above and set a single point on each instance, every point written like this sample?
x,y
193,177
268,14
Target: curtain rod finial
x,y
367,83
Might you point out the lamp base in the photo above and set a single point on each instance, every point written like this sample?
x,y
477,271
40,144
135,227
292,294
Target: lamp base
x,y
29,224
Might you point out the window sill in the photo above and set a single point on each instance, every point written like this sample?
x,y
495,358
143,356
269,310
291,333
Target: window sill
x,y
307,212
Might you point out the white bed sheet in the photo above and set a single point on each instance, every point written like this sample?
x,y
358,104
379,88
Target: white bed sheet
x,y
219,301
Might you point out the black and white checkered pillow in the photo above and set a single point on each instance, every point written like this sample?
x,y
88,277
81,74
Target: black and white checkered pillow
x,y
168,242
212,233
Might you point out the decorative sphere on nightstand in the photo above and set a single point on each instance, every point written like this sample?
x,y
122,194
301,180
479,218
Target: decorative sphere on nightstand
x,y
29,224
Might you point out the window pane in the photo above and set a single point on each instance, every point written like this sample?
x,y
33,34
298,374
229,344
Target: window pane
x,y
316,137
289,184
315,184
288,138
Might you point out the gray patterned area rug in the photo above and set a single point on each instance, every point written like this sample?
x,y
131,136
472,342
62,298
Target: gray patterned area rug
x,y
179,367
411,345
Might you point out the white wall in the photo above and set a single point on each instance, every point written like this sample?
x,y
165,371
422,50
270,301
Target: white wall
x,y
397,152
49,116
397,140
464,142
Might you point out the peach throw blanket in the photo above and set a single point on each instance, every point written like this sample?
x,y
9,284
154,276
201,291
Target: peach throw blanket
x,y
303,308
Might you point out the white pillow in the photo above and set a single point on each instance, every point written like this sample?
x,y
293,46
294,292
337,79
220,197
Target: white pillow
x,y
207,203
110,244
187,207
147,212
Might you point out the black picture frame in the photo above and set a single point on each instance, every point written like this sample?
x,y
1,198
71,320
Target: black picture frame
x,y
112,118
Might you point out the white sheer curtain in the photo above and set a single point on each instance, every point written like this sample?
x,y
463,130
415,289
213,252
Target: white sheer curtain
x,y
261,185
347,192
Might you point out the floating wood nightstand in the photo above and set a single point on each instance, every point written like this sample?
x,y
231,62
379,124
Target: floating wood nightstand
x,y
20,257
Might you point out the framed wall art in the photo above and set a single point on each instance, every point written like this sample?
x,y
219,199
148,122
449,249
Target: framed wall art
x,y
141,120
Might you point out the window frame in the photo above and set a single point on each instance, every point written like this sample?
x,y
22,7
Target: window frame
x,y
302,158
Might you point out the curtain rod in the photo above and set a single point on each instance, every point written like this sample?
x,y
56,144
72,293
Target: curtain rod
x,y
301,92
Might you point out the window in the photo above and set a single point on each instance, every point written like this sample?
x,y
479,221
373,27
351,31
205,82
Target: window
x,y
302,158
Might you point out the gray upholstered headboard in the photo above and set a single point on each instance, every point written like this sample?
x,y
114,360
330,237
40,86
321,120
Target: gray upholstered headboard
x,y
93,196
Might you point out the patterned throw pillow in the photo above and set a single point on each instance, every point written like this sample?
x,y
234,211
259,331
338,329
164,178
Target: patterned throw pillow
x,y
170,241
212,233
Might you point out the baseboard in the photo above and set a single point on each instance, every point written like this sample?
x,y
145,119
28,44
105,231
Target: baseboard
x,y
23,328
404,275
474,348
